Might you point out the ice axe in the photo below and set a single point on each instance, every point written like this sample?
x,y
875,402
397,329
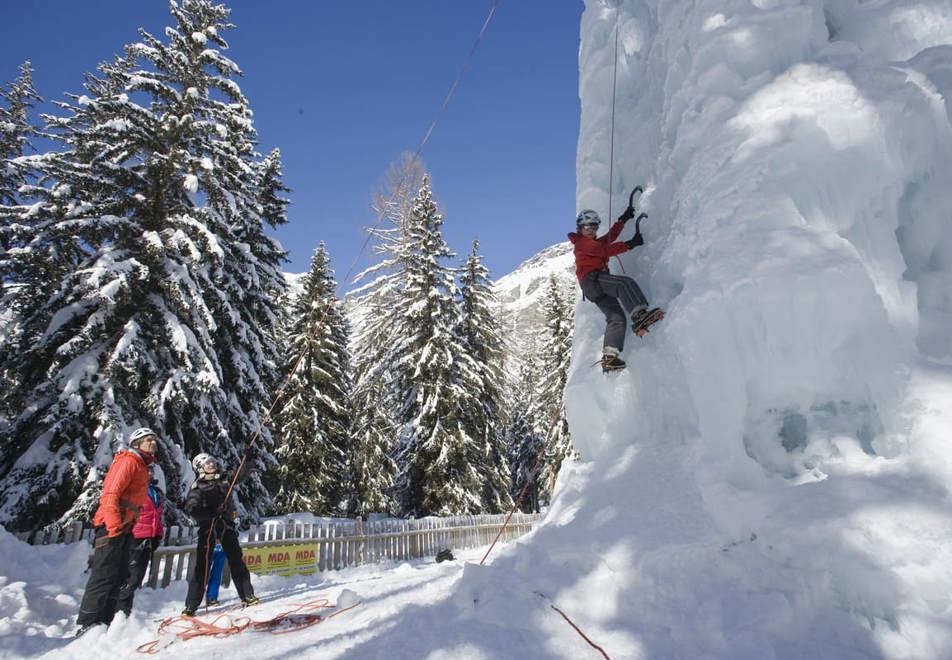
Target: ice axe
x,y
637,190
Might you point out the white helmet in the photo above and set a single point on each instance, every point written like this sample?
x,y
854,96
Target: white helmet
x,y
588,217
199,461
140,434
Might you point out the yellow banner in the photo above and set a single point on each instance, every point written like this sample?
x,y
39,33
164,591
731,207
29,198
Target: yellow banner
x,y
298,559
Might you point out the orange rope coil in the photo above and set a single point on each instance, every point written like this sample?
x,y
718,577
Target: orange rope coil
x,y
304,615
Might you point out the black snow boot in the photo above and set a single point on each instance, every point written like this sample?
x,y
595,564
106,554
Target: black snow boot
x,y
89,626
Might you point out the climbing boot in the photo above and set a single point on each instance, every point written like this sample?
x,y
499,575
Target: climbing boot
x,y
612,362
644,318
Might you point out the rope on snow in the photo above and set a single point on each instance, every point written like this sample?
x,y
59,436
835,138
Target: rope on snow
x,y
304,615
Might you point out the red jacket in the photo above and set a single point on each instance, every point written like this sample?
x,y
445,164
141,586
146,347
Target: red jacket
x,y
149,525
123,491
593,253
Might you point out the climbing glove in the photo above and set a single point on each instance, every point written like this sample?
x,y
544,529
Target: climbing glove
x,y
628,214
635,241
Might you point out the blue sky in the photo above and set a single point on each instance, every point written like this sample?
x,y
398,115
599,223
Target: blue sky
x,y
342,88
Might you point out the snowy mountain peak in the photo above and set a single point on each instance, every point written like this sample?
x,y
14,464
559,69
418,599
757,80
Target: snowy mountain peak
x,y
522,285
520,292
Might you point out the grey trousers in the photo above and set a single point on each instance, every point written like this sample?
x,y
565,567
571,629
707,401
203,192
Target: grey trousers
x,y
607,291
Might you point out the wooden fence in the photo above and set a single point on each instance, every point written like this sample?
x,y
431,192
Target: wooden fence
x,y
339,543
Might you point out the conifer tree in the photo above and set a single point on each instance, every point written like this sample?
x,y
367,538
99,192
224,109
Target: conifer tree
x,y
436,475
18,99
160,289
375,336
523,437
312,425
549,412
16,129
479,336
375,427
421,358
373,432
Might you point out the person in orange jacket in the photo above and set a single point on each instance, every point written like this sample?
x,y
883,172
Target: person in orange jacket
x,y
124,493
146,538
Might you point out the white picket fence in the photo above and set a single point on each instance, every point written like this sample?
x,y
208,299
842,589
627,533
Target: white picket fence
x,y
340,543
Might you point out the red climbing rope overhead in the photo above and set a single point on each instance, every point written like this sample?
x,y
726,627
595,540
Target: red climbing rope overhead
x,y
611,150
320,321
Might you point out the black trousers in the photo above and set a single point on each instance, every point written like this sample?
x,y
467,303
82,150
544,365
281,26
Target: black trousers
x,y
110,570
140,556
239,572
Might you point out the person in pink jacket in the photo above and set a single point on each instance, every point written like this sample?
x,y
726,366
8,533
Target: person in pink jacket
x,y
147,536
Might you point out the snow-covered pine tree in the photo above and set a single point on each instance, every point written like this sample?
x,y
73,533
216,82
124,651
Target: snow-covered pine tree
x,y
523,438
56,440
436,475
478,333
313,422
16,129
555,354
243,195
248,341
373,431
422,360
375,426
164,311
18,98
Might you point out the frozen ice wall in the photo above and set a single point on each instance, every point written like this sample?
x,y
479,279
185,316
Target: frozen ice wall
x,y
757,483
798,158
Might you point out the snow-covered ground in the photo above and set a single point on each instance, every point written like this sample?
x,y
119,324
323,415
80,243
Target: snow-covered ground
x,y
403,610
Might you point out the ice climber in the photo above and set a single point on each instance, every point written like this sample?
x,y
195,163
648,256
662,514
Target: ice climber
x,y
606,290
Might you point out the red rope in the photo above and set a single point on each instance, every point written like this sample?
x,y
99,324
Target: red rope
x,y
532,474
416,155
611,165
522,493
545,444
320,321
186,628
611,158
579,631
